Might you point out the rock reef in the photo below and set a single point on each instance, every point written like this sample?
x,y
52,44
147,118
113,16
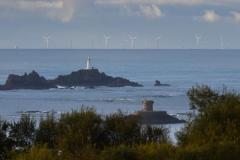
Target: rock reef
x,y
81,78
158,84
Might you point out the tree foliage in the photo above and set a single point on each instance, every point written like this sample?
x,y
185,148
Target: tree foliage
x,y
5,142
200,96
122,129
22,132
212,134
47,131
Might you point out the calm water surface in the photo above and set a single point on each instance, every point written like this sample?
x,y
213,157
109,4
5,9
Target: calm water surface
x,y
180,68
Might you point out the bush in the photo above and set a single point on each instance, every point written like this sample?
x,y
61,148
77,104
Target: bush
x,y
214,134
47,131
217,151
201,96
84,134
22,132
121,152
155,134
122,129
154,151
218,121
38,153
79,129
5,142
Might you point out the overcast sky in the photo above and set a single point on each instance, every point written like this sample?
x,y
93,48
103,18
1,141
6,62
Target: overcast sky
x,y
153,23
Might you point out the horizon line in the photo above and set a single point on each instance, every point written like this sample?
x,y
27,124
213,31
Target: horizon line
x,y
119,49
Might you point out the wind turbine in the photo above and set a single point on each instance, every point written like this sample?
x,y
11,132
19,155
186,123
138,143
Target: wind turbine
x,y
107,38
198,39
133,41
46,39
158,41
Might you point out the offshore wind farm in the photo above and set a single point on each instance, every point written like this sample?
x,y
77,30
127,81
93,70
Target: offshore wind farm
x,y
130,42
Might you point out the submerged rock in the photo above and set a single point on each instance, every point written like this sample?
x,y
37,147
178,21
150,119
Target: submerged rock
x,y
82,78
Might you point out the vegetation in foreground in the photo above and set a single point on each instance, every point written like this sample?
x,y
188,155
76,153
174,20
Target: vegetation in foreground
x,y
213,133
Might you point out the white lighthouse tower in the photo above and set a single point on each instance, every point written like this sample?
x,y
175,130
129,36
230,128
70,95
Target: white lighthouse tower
x,y
89,64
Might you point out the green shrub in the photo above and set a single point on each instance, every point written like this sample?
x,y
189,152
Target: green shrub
x,y
47,131
23,131
38,153
121,152
214,134
155,134
5,143
122,129
154,151
217,151
79,129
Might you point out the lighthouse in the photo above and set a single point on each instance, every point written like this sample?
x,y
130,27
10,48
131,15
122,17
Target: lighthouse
x,y
89,64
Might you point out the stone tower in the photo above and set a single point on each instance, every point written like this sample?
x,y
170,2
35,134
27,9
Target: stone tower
x,y
148,106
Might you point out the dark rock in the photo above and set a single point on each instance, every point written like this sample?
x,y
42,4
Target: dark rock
x,y
89,87
83,78
26,81
158,83
92,78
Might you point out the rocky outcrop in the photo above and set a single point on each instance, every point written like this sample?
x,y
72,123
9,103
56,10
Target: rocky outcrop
x,y
91,78
26,81
158,83
86,78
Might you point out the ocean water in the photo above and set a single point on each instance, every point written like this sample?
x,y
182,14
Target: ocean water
x,y
180,68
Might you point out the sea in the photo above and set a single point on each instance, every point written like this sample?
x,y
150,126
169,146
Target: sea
x,y
181,69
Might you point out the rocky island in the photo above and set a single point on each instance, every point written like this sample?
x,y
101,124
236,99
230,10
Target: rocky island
x,y
89,77
84,78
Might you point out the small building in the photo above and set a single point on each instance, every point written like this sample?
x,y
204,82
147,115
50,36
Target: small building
x,y
150,117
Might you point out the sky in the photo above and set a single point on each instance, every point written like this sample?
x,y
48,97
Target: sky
x,y
168,24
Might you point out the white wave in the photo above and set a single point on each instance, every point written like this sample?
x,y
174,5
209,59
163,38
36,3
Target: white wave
x,y
61,87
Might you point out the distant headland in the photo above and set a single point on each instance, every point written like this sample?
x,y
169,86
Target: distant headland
x,y
88,77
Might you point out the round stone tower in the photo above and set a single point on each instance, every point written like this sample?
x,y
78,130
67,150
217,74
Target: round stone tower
x,y
148,105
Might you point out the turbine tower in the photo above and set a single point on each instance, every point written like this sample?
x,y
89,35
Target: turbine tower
x,y
133,41
198,39
107,38
46,39
158,41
